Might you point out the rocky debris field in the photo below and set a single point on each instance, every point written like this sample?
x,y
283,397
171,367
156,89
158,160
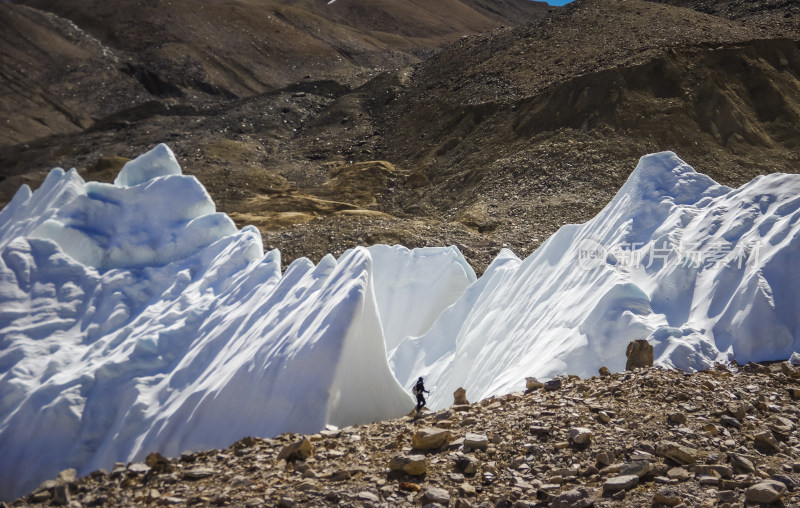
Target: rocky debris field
x,y
651,436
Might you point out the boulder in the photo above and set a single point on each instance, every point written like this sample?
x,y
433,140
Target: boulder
x,y
460,397
430,438
639,353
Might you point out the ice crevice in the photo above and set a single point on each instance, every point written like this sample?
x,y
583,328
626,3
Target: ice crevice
x,y
134,317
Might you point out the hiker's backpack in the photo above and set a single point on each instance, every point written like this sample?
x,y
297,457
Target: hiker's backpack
x,y
415,390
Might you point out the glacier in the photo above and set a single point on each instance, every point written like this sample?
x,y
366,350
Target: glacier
x,y
135,318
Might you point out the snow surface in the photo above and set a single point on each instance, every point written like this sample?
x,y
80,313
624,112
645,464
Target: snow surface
x,y
135,318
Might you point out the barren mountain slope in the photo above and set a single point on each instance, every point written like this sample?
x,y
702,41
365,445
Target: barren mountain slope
x,y
499,139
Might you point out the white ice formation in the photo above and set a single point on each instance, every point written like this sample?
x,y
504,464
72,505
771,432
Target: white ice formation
x,y
134,318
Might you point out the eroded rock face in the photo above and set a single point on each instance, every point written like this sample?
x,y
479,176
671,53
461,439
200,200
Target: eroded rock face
x,y
517,449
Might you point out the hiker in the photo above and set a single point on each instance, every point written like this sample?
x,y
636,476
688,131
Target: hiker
x,y
418,390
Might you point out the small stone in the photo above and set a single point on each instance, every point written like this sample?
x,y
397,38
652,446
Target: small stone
x,y
767,439
430,438
531,383
414,465
727,496
476,441
300,450
786,480
581,497
639,468
605,458
61,495
730,421
368,496
580,436
465,464
619,483
679,454
68,476
765,492
667,496
465,489
539,430
158,463
198,473
604,372
460,397
678,473
677,418
741,463
435,495
138,468
553,384
409,487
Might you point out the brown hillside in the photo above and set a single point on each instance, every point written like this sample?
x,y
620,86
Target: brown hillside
x,y
496,140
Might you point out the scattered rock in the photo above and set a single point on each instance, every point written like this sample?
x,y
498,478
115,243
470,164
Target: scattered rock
x,y
765,492
766,439
618,483
531,383
138,468
415,465
476,441
368,496
679,454
741,463
639,468
460,397
430,438
581,497
158,464
300,450
198,473
667,496
580,436
435,495
677,418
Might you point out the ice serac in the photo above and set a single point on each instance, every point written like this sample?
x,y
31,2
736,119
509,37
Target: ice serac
x,y
135,318
703,272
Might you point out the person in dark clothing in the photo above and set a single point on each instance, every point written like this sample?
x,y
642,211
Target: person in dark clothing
x,y
419,390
